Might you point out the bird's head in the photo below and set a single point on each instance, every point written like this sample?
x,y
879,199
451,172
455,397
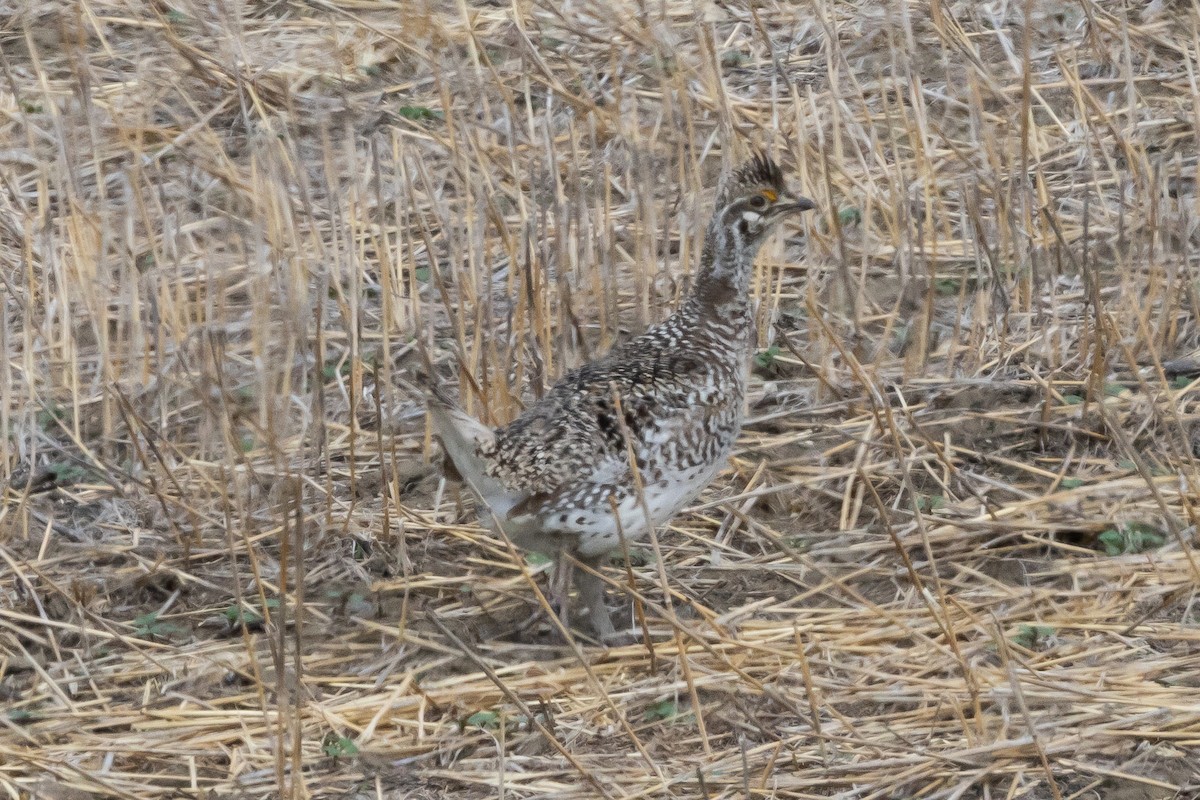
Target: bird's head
x,y
754,198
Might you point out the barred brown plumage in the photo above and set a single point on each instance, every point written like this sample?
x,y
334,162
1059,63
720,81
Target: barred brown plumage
x,y
558,478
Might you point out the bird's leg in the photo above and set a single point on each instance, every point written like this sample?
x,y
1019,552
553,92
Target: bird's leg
x,y
591,594
558,594
560,588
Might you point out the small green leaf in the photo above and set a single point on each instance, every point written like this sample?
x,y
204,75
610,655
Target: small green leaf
x,y
1071,483
484,719
1113,389
175,17
421,274
931,502
417,113
766,358
947,286
536,559
849,216
66,473
331,371
1072,399
20,716
148,626
251,618
1029,636
1113,541
1127,463
663,710
1182,382
51,414
1133,537
339,746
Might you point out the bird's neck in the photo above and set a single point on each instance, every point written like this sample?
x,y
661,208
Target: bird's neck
x,y
721,291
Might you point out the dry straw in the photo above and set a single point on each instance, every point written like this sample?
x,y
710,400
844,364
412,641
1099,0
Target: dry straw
x,y
952,557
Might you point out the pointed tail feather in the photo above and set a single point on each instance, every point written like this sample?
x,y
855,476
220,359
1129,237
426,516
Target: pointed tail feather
x,y
461,435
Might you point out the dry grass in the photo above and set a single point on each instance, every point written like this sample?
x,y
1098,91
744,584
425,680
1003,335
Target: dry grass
x,y
225,227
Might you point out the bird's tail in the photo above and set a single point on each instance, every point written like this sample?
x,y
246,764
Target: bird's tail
x,y
461,436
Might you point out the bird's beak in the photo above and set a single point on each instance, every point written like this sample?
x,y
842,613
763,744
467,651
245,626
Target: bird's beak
x,y
795,204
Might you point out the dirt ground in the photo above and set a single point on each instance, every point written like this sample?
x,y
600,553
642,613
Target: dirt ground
x,y
953,556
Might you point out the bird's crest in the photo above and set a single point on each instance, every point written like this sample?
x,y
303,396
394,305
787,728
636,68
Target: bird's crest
x,y
756,172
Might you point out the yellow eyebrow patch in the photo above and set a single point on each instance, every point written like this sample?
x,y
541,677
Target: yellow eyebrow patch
x,y
770,195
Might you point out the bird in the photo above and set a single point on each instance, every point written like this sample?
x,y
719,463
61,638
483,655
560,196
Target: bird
x,y
620,445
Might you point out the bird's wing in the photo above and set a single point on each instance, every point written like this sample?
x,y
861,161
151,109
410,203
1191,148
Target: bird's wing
x,y
574,438
577,431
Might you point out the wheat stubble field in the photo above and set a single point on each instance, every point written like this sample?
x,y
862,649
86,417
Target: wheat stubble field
x,y
952,557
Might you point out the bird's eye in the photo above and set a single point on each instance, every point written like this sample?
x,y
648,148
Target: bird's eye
x,y
758,201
